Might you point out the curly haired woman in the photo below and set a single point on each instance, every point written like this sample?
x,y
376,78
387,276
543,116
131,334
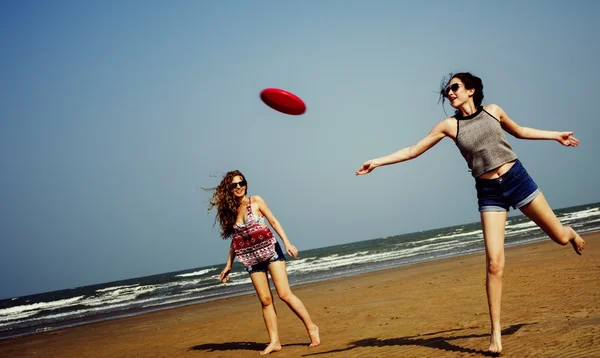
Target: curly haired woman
x,y
242,218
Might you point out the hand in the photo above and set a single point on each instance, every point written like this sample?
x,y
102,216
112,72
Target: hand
x,y
567,139
366,168
291,250
224,276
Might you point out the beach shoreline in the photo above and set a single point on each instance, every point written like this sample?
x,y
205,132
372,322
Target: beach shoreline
x,y
551,306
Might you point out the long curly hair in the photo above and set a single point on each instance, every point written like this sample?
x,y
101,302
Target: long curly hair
x,y
226,203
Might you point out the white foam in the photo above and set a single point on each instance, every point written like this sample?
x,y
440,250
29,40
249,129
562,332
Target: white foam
x,y
7,313
525,224
333,261
195,290
516,232
581,214
477,233
110,307
592,221
119,295
115,288
238,282
18,316
172,301
197,273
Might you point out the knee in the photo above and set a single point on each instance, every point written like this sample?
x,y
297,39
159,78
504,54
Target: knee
x,y
266,300
285,295
495,266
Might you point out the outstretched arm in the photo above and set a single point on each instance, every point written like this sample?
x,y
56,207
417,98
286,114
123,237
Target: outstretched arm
x,y
264,209
438,133
564,138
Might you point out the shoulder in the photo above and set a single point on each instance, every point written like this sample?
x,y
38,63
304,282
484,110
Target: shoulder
x,y
445,125
494,110
259,203
448,121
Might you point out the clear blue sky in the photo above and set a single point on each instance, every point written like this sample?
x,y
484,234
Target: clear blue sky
x,y
113,114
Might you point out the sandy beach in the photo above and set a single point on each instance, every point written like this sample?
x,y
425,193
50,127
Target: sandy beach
x,y
550,308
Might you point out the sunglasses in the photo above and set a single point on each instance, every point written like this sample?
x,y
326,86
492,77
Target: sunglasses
x,y
242,184
453,87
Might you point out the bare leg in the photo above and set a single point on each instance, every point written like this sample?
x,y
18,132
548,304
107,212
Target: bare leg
x,y
280,279
492,224
540,213
261,285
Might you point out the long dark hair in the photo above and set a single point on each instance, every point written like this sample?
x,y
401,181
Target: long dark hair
x,y
226,203
469,80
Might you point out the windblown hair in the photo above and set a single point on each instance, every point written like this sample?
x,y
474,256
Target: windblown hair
x,y
470,81
226,203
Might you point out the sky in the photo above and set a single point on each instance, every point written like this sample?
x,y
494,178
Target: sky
x,y
115,114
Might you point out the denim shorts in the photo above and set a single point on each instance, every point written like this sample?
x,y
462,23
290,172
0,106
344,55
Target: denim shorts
x,y
262,266
514,188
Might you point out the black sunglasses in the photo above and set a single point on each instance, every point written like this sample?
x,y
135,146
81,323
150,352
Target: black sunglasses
x,y
242,183
454,87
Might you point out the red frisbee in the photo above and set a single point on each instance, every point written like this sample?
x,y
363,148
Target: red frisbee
x,y
283,101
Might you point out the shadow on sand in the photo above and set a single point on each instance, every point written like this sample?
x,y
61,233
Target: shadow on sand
x,y
432,340
236,346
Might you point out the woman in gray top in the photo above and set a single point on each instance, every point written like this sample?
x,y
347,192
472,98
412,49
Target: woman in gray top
x,y
500,178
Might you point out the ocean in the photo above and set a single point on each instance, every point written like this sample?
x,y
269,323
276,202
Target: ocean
x,y
80,305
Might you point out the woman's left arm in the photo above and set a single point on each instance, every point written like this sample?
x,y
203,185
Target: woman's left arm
x,y
266,212
564,138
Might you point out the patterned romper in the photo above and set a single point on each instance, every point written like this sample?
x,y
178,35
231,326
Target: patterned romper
x,y
254,244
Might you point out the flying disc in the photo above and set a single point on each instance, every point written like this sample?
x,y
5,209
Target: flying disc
x,y
283,101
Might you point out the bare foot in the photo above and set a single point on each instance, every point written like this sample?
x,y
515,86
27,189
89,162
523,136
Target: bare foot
x,y
315,340
577,242
272,347
495,344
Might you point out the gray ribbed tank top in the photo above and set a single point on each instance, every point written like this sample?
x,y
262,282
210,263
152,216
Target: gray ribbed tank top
x,y
482,142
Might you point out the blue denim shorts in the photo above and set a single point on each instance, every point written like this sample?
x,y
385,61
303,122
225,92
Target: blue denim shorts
x,y
262,266
514,188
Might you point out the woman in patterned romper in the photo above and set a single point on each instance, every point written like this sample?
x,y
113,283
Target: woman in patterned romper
x,y
242,218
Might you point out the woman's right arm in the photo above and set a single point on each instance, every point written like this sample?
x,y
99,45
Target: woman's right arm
x,y
441,130
224,276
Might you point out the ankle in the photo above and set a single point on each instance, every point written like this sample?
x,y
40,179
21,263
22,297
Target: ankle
x,y
571,234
